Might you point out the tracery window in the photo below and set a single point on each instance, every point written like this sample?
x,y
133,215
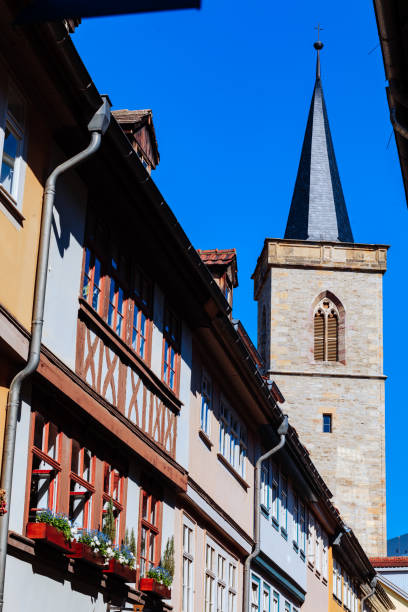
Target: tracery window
x,y
326,331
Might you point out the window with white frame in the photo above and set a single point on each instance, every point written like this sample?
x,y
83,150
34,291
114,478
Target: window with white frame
x,y
347,591
287,606
302,529
296,520
265,485
233,439
220,579
284,504
338,576
13,145
275,494
310,540
266,598
206,402
188,564
354,599
318,564
275,602
255,583
334,578
325,560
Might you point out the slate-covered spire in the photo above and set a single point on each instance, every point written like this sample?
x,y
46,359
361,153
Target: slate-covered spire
x,y
318,210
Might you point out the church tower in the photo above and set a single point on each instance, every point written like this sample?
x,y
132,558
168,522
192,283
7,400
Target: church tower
x,y
319,300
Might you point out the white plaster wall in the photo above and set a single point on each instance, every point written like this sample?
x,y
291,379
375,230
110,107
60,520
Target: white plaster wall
x,y
157,331
16,506
281,551
64,270
133,501
183,420
317,595
169,518
26,590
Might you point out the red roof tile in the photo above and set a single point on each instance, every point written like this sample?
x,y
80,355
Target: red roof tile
x,y
389,561
217,257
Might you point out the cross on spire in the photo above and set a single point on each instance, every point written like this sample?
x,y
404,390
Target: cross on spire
x,y
318,45
318,28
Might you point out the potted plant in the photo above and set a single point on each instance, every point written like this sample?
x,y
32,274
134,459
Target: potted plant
x,y
121,563
157,582
90,546
52,529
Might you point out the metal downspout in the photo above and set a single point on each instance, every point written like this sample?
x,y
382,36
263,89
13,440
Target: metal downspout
x,y
373,584
282,431
97,126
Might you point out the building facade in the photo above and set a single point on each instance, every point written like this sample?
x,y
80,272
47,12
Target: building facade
x,y
319,300
148,411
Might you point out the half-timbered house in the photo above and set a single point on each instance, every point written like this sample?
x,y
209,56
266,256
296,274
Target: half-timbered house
x,y
149,408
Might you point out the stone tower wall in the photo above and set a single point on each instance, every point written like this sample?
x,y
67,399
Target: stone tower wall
x,y
289,279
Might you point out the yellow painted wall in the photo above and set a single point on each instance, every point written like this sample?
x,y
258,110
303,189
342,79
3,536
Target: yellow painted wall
x,y
399,602
333,606
18,246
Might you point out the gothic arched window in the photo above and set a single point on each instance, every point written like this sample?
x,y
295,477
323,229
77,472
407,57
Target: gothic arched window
x,y
326,331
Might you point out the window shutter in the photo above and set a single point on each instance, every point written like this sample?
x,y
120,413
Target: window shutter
x,y
332,337
319,337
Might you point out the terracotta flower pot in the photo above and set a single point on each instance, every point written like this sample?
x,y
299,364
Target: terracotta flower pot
x,y
82,551
42,532
121,571
150,585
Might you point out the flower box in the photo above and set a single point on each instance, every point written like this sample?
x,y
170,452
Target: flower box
x,y
150,585
82,551
42,532
120,570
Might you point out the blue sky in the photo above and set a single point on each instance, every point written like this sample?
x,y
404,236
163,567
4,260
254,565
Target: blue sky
x,y
230,87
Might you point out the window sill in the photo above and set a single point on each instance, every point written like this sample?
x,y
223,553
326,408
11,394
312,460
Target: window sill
x,y
284,533
295,546
51,563
264,511
318,575
302,555
310,565
275,523
10,205
205,438
233,471
324,580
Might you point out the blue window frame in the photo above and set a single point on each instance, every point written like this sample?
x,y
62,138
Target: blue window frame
x,y
266,598
255,600
206,401
327,423
275,496
275,602
284,505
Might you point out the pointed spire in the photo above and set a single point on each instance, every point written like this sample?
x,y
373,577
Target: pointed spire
x,y
318,210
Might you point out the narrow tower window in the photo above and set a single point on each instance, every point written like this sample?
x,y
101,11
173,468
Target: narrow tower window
x,y
327,423
326,332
